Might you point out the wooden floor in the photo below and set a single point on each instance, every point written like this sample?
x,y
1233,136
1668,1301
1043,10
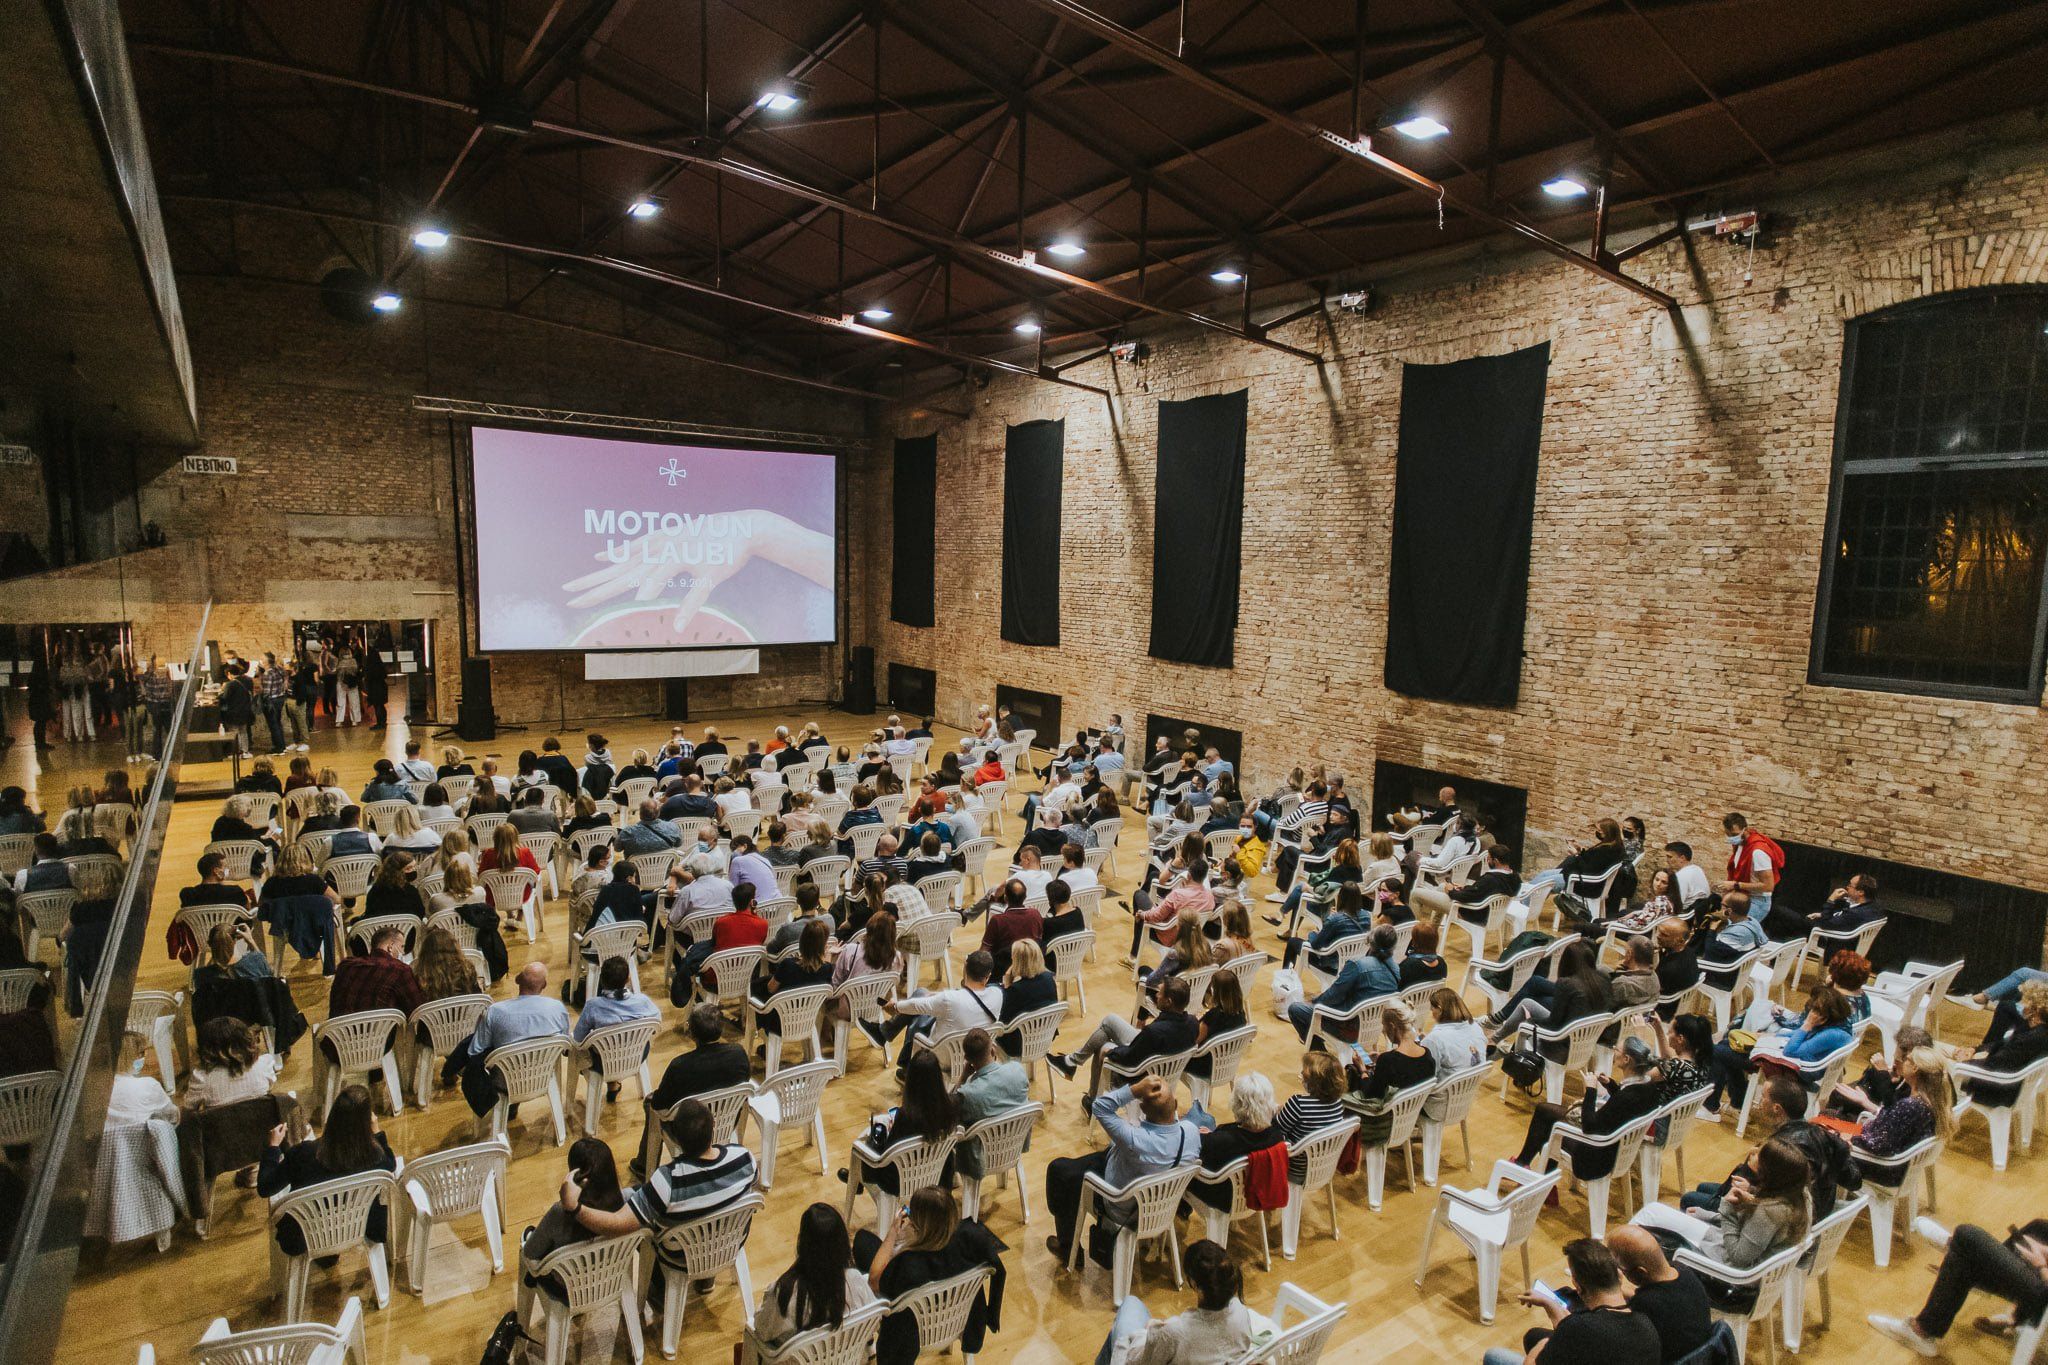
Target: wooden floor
x,y
129,1295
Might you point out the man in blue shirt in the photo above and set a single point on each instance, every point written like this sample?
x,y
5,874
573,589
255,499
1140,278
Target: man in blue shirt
x,y
651,834
1362,979
532,1013
1161,1141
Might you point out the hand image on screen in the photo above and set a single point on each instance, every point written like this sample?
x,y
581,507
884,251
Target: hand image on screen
x,y
653,562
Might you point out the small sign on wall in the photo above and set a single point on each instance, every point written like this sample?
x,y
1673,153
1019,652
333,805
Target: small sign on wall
x,y
210,464
16,455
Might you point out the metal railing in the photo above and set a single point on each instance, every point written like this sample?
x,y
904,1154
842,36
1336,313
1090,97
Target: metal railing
x,y
42,1259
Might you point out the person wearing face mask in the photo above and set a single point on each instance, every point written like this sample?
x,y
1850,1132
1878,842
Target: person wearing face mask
x,y
1755,862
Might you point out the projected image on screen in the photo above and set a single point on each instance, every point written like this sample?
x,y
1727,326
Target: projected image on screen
x,y
589,543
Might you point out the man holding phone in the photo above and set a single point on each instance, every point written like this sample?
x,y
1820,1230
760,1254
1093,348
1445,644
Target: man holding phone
x,y
1591,1325
2016,1269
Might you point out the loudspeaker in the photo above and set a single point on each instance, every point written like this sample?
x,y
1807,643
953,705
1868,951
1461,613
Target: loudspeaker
x,y
675,699
859,693
475,719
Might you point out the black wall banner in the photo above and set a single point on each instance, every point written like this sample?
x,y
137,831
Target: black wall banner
x,y
916,489
1031,532
1464,503
1197,519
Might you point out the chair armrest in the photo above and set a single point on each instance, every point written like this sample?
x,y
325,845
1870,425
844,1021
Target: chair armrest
x,y
1476,1201
418,1196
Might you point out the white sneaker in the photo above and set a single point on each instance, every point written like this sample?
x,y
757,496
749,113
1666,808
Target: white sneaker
x,y
1276,898
1931,1232
1968,1002
1904,1333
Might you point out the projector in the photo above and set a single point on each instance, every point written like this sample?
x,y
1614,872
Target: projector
x,y
1130,352
1357,301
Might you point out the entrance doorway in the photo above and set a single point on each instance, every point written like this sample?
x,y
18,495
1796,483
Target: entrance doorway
x,y
402,651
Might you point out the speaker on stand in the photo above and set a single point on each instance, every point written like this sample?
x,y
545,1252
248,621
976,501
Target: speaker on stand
x,y
675,698
475,718
858,694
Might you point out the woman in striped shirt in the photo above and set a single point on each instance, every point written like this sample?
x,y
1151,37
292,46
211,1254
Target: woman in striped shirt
x,y
1317,1107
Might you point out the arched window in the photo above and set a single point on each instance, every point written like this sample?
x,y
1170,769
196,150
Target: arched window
x,y
1938,516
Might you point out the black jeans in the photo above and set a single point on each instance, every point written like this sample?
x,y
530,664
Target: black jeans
x,y
1063,1179
1978,1260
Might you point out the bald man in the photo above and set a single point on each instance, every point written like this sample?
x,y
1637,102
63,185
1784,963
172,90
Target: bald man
x,y
1161,1141
1671,1297
532,1013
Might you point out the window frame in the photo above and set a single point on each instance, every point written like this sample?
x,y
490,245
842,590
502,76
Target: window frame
x,y
1842,468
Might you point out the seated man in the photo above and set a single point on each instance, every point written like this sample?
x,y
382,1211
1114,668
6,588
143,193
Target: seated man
x,y
533,1013
887,860
711,1064
1672,1297
1850,908
975,1003
1828,1162
1161,1141
742,928
1173,1030
1972,1258
380,979
1014,922
1373,974
990,1084
691,803
1599,1326
214,888
1464,898
350,837
535,813
650,834
1740,935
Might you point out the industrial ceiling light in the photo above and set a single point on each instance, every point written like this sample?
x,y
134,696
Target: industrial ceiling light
x,y
1028,326
384,301
1066,248
429,238
1228,274
781,96
876,314
644,207
1421,127
1564,187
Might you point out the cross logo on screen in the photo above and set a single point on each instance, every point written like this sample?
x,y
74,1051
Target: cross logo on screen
x,y
672,471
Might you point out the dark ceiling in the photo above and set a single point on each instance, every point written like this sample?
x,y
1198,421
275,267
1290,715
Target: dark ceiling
x,y
935,140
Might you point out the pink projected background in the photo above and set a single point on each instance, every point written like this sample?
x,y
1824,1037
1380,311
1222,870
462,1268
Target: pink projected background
x,y
584,542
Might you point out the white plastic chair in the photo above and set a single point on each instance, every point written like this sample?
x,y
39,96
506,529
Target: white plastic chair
x,y
1731,979
974,855
1327,1026
850,1343
917,1163
929,939
1770,1278
16,851
1819,1076
2000,1116
828,872
1065,955
517,888
1450,1101
1225,1053
1625,1144
1317,1155
942,1308
789,1016
1915,1168
619,938
382,815
352,873
299,1343
1303,1342
1033,1034
1148,1207
17,984
1823,1242
725,1105
942,889
240,855
1520,967
611,1054
949,1048
792,1098
448,1022
157,1017
598,1278
1909,999
1677,1118
363,1042
732,974
1822,944
1229,1179
45,914
528,1071
1484,931
1002,1139
1491,1223
452,1184
364,932
1578,1041
863,996
697,1250
26,1103
331,1217
545,845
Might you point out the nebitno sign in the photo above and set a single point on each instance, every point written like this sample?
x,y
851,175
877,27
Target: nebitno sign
x,y
210,464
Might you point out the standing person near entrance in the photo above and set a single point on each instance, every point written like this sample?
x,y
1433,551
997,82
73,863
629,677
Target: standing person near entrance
x,y
348,690
1755,862
273,688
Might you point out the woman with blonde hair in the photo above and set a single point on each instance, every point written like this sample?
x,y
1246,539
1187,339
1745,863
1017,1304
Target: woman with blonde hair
x,y
1236,924
1190,950
1027,986
440,966
1384,864
409,833
1921,1107
455,851
461,895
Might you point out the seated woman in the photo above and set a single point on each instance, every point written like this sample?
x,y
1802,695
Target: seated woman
x,y
84,935
229,1066
1588,861
1232,930
1190,950
810,967
587,816
410,834
1362,979
1423,963
1320,1103
295,880
1921,1106
929,1243
453,764
1610,1104
1178,847
1028,985
874,952
460,893
392,892
1402,1064
231,955
349,1144
1218,1327
1345,919
385,784
1824,1028
852,911
1222,1012
927,1110
1848,973
821,1285
435,805
592,1168
1316,891
233,824
1252,1129
862,812
455,848
1755,1220
1579,988
507,852
1454,1038
2018,1038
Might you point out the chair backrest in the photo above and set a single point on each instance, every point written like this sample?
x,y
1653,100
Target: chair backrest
x,y
864,838
1157,1197
1524,1203
1302,1343
1826,1237
1218,844
459,787
460,1179
796,1011
331,1215
454,923
942,1308
653,867
359,1040
863,995
15,852
584,840
620,1048
940,888
1003,1137
1579,1037
382,815
636,790
1067,953
298,1343
714,765
48,909
483,827
509,885
734,969
1405,1109
949,1048
202,920
1320,1151
1366,1014
1422,838
890,808
416,789
353,872
1680,1115
1107,830
708,1244
934,933
827,872
450,1020
798,1090
594,1275
1452,1096
365,930
918,1161
1198,985
318,843
300,801
238,855
777,910
616,939
527,1065
850,1343
1769,1277
26,1103
541,843
1226,1052
17,984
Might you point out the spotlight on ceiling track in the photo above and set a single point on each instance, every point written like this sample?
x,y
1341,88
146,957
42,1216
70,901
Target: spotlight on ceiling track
x,y
644,207
384,301
876,314
1227,274
782,96
1066,248
1028,326
1129,352
1564,187
1421,128
429,238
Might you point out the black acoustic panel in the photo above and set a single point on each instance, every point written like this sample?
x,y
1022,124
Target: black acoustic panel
x,y
1039,711
1503,810
913,690
1196,525
475,718
1464,505
1229,743
859,695
675,698
1031,532
912,589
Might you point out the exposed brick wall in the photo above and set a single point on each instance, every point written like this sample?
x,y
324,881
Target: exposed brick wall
x,y
343,506
1680,514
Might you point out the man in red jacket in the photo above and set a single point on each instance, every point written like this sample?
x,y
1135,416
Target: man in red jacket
x,y
743,928
1754,862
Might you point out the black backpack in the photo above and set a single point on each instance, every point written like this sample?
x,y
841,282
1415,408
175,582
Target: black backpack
x,y
503,1346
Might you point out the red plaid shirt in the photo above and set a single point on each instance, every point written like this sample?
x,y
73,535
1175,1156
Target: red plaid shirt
x,y
373,982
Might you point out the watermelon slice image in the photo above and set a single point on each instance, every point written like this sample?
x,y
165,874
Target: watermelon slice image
x,y
652,627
